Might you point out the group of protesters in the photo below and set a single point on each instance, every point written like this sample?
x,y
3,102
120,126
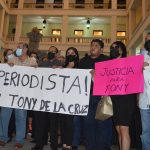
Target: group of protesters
x,y
94,134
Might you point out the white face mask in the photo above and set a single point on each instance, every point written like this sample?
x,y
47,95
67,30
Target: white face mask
x,y
10,57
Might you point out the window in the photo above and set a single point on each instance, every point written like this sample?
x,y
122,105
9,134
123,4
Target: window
x,y
56,32
121,33
78,32
121,4
97,33
58,3
80,3
98,3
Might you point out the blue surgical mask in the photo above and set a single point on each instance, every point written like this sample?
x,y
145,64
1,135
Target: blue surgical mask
x,y
143,51
18,52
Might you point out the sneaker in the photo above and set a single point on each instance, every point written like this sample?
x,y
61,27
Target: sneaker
x,y
18,145
2,143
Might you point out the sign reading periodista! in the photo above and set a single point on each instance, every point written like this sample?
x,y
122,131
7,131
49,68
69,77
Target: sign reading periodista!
x,y
64,91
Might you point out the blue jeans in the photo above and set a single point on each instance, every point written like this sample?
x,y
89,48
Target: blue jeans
x,y
20,116
78,132
98,134
145,137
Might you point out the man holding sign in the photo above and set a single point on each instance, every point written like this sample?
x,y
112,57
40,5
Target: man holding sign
x,y
98,133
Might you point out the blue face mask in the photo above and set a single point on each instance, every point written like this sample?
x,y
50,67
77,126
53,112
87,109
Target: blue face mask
x,y
143,51
19,52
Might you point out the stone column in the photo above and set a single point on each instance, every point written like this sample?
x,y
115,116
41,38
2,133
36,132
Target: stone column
x,y
18,28
113,4
2,16
66,4
20,5
113,28
64,29
6,26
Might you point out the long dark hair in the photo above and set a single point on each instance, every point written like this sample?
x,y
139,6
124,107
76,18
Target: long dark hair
x,y
77,57
121,45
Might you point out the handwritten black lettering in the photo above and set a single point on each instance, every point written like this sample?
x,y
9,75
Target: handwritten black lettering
x,y
64,81
6,78
13,98
25,80
14,75
69,109
45,105
53,82
34,81
117,71
75,85
116,87
21,101
2,73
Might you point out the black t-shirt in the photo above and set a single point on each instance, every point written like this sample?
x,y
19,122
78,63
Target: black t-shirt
x,y
89,63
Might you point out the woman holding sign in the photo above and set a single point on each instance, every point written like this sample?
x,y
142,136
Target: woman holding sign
x,y
22,59
123,105
67,121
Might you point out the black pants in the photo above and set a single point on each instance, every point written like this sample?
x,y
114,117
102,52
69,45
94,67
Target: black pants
x,y
65,122
41,128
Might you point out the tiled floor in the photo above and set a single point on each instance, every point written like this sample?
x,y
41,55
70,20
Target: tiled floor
x,y
28,145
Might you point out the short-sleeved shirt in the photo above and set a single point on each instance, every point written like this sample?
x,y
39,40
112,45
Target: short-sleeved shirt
x,y
144,100
29,61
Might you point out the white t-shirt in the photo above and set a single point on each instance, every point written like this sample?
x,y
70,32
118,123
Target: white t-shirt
x,y
144,98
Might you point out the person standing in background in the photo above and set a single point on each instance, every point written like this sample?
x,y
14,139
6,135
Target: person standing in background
x,y
34,38
144,101
142,49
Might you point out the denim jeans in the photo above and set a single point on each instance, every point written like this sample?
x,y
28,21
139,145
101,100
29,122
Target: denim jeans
x,y
98,133
145,137
20,121
78,133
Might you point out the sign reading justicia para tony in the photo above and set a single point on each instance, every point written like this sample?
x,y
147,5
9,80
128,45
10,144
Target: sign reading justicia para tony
x,y
64,91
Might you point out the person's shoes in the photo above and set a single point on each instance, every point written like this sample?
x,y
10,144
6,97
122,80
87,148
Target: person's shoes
x,y
2,143
37,148
18,145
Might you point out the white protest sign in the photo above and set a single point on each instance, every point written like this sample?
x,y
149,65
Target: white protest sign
x,y
64,91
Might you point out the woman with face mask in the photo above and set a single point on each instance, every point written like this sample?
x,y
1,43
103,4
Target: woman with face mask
x,y
123,105
67,123
8,55
20,115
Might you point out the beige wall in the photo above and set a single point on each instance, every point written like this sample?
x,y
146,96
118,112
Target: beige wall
x,y
27,27
138,14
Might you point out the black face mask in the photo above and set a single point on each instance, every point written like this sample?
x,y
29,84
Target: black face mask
x,y
71,58
51,55
114,53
